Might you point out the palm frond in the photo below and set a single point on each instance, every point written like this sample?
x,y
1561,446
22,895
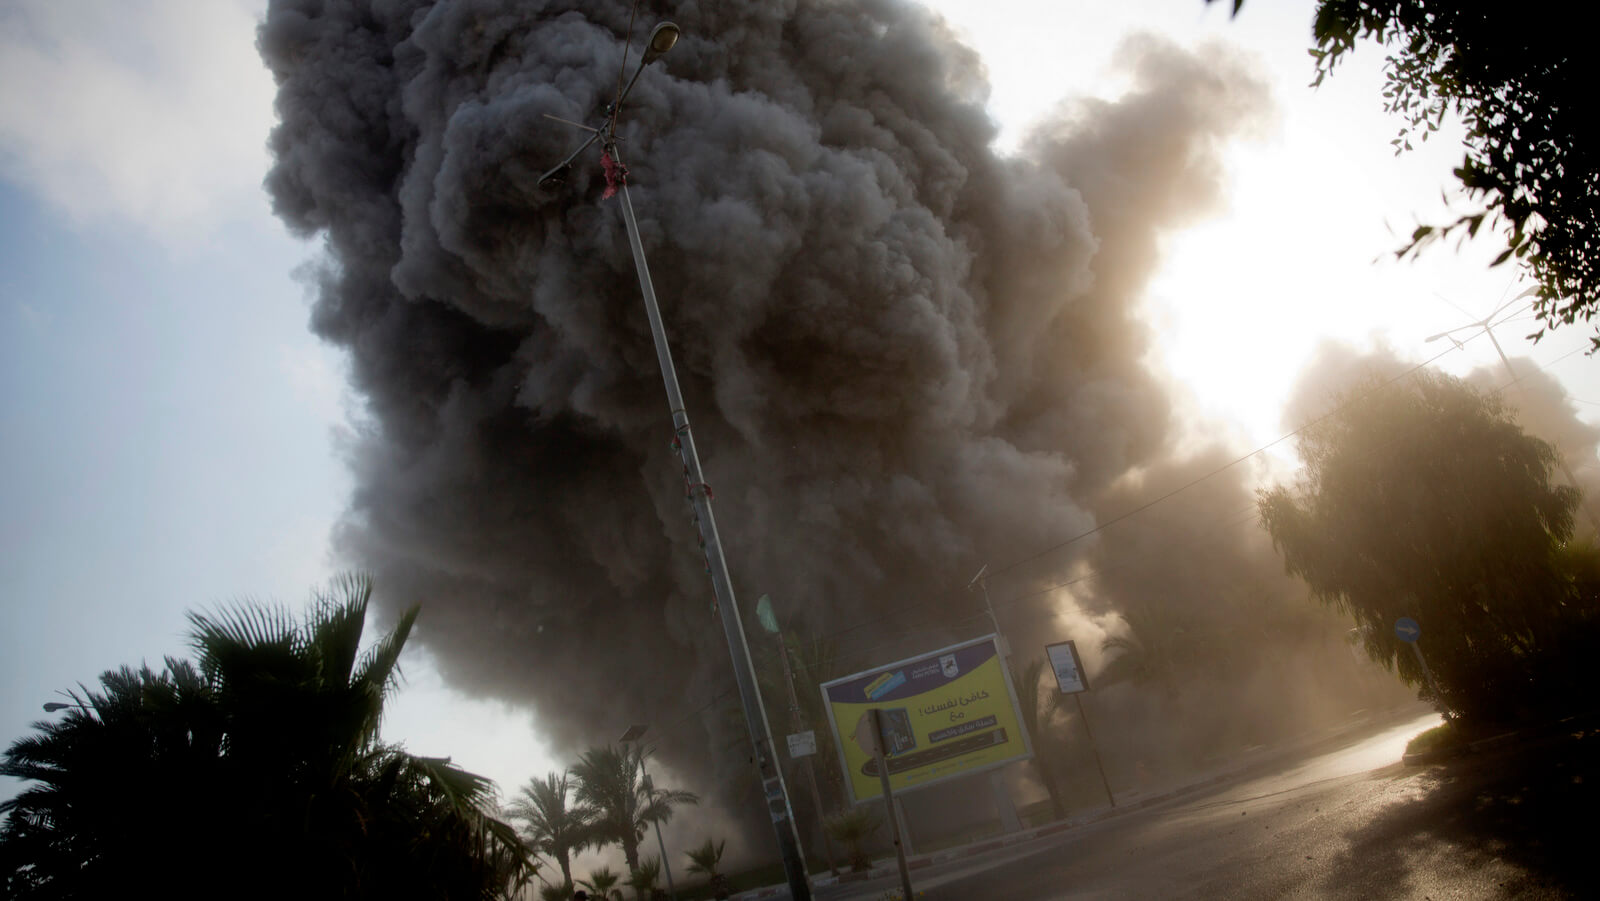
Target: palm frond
x,y
336,622
230,631
380,666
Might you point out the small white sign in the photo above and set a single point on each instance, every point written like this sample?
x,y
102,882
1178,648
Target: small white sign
x,y
1068,668
803,744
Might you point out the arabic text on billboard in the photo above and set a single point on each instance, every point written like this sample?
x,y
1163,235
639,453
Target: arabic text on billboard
x,y
949,713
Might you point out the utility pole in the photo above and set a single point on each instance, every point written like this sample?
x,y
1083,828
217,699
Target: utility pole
x,y
1009,821
1487,323
1561,459
767,615
798,717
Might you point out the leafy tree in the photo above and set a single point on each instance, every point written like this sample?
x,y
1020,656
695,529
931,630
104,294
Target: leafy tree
x,y
273,733
1427,500
1521,79
550,826
624,804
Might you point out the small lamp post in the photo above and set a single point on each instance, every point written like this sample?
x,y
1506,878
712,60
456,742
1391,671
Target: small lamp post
x,y
633,734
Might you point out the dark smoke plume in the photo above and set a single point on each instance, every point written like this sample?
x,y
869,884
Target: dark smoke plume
x,y
904,353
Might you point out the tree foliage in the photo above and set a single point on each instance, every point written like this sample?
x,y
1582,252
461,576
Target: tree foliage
x,y
854,829
1426,499
602,883
1521,79
254,772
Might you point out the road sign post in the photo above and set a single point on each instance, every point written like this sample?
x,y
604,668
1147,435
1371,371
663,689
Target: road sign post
x,y
1073,680
1407,630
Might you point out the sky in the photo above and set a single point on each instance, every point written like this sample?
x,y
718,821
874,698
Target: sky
x,y
171,434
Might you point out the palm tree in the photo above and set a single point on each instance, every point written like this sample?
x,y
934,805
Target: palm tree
x,y
624,805
1038,708
644,877
602,884
110,783
853,829
275,733
704,860
549,825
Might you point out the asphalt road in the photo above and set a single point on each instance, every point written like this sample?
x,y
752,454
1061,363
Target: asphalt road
x,y
1516,821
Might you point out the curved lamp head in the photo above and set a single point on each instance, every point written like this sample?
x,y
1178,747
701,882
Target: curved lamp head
x,y
661,40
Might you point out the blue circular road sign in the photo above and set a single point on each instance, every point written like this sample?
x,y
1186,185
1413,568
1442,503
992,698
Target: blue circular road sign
x,y
1406,629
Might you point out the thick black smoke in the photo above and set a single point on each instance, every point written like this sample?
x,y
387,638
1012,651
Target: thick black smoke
x,y
904,354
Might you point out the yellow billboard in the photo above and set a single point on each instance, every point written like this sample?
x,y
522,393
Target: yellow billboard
x,y
949,713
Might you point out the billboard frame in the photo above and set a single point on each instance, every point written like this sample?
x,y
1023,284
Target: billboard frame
x,y
992,639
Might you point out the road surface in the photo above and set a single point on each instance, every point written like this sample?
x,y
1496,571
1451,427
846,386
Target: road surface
x,y
1516,821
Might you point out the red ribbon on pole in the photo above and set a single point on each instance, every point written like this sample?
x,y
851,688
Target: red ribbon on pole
x,y
616,174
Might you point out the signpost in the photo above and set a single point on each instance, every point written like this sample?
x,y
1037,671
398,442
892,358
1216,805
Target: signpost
x,y
1070,677
1409,631
1073,680
946,714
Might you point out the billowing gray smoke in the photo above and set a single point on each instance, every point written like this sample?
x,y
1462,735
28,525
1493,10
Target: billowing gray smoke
x,y
904,354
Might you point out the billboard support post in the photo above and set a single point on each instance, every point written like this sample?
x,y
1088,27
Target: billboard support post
x,y
888,803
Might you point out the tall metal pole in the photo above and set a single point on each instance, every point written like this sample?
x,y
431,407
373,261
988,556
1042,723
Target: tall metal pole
x,y
1009,821
766,760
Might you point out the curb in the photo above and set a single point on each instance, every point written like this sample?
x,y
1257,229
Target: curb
x,y
1527,734
889,867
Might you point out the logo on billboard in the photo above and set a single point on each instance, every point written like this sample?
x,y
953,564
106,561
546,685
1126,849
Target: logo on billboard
x,y
947,663
884,684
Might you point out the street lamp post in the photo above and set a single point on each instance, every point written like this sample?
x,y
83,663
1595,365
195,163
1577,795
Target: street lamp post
x,y
661,40
54,706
